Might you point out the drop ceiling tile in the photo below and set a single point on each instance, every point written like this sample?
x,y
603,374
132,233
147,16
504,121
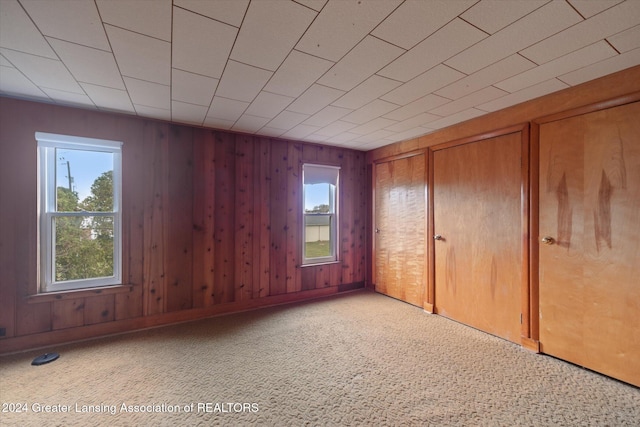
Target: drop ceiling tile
x,y
242,82
192,45
480,97
501,70
414,122
226,109
109,98
228,11
343,24
492,15
287,120
626,40
155,113
408,134
372,88
272,132
368,57
456,118
216,123
370,111
315,99
300,131
415,20
89,65
5,62
148,93
69,98
44,72
344,138
327,115
374,136
416,107
249,124
440,46
373,126
192,88
588,8
18,32
188,113
13,82
269,31
605,24
430,81
538,25
573,61
268,105
127,14
298,72
335,128
316,5
140,56
602,68
74,21
523,95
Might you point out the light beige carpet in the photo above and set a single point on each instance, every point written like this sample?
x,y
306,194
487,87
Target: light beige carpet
x,y
357,359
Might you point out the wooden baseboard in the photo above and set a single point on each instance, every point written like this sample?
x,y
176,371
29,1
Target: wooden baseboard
x,y
428,308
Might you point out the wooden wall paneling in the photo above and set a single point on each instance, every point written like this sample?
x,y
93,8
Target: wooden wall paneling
x,y
262,219
294,218
130,304
245,213
32,318
204,218
155,166
99,309
178,261
278,213
347,234
67,313
360,214
224,217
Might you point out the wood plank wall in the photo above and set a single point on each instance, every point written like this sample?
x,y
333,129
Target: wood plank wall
x,y
211,224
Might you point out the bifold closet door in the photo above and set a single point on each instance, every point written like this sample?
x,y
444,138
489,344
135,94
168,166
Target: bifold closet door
x,y
478,234
589,253
400,222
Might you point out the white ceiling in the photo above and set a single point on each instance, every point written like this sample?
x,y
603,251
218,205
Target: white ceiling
x,y
360,74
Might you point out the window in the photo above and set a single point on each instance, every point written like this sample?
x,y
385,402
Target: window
x,y
320,233
79,206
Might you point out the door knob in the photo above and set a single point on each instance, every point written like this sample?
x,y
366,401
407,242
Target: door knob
x,y
438,237
547,240
377,230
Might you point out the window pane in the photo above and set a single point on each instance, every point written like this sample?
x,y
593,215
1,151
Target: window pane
x,y
317,236
84,180
318,198
84,247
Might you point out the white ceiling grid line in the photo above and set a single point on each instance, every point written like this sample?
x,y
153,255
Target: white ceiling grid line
x,y
350,73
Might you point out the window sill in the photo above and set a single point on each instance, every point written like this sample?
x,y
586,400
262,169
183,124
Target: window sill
x,y
315,264
79,293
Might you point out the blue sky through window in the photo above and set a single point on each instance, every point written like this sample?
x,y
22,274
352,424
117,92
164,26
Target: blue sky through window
x,y
85,167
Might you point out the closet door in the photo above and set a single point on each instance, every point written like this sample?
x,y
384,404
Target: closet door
x,y
400,218
479,234
589,254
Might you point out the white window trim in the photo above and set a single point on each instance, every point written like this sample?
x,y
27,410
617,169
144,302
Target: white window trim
x,y
333,224
47,144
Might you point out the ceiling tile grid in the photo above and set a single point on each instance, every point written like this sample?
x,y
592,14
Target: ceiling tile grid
x,y
351,73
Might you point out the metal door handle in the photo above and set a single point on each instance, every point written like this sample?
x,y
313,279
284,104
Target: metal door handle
x,y
438,237
377,230
548,240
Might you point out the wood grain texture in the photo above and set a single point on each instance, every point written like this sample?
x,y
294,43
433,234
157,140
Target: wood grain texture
x,y
590,203
210,219
401,228
478,212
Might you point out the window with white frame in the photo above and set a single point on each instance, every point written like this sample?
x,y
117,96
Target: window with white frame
x,y
320,229
79,186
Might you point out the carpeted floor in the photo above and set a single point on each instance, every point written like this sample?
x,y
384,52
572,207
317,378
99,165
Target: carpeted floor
x,y
357,359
